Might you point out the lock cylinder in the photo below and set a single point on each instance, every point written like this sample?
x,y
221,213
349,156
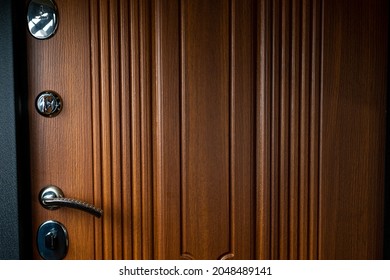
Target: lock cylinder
x,y
52,240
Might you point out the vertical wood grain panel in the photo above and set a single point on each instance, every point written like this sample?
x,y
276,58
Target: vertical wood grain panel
x,y
105,115
294,143
233,94
242,128
125,111
274,115
206,129
167,160
145,52
96,126
226,129
264,75
122,106
101,86
288,79
136,249
316,65
61,147
116,131
303,130
284,127
353,129
183,129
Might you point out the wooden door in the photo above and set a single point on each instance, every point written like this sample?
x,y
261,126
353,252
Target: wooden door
x,y
225,129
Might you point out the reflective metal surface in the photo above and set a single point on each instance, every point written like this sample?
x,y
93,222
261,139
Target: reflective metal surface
x,y
52,240
42,18
48,104
52,197
50,192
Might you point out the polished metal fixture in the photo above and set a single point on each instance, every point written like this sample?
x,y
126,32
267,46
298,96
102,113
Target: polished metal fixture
x,y
52,197
42,18
52,240
48,104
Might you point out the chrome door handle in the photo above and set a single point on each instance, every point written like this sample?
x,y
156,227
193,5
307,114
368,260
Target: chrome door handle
x,y
52,197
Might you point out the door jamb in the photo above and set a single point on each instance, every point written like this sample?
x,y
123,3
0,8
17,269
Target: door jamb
x,y
15,241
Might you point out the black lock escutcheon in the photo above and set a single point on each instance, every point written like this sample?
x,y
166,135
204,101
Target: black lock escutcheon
x,y
52,240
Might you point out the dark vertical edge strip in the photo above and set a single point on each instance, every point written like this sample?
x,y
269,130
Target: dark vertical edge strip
x,y
317,126
304,160
91,61
232,124
109,151
126,110
119,135
135,130
158,143
146,130
11,129
181,90
386,237
275,92
119,126
294,107
284,122
265,59
106,76
116,159
23,164
140,142
184,252
260,224
110,242
320,90
96,119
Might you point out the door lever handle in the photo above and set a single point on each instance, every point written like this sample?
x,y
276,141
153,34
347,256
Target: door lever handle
x,y
52,197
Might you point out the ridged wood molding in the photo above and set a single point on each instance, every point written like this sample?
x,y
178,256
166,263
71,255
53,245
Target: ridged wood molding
x,y
228,116
226,129
206,128
121,101
288,128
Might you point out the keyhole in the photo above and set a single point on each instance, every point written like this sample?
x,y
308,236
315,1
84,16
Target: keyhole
x,y
51,239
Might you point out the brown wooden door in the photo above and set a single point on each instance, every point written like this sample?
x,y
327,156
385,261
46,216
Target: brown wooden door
x,y
225,129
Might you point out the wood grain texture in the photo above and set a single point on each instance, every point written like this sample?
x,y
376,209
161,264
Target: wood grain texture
x,y
122,105
167,127
203,129
288,121
353,129
61,147
218,129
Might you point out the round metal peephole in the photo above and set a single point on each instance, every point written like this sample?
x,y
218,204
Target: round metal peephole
x,y
48,104
42,18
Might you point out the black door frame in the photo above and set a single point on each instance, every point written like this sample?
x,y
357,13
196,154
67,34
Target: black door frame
x,y
15,241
